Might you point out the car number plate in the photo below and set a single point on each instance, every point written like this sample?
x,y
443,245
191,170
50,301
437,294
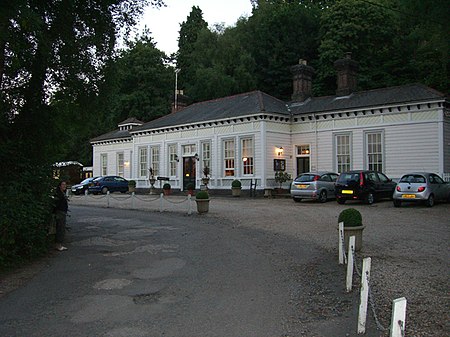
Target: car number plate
x,y
347,192
408,196
302,186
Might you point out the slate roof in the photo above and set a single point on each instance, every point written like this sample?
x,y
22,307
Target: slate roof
x,y
131,120
257,102
245,104
405,94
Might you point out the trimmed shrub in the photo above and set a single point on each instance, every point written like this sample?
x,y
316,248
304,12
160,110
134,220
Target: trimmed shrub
x,y
236,183
350,217
202,195
166,186
132,183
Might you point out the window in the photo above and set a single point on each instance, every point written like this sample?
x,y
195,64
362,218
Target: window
x,y
104,164
343,157
143,157
120,164
374,150
228,157
303,150
173,160
155,160
206,155
189,150
247,155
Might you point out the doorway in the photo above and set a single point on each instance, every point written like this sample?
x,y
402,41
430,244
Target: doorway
x,y
189,173
302,165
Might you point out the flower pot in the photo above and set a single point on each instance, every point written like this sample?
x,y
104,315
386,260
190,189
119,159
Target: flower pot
x,y
202,205
131,189
236,191
166,192
357,233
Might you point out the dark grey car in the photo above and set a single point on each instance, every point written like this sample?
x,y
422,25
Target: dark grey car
x,y
314,185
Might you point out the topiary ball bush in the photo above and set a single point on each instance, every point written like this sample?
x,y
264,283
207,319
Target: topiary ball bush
x,y
350,217
202,195
236,183
166,186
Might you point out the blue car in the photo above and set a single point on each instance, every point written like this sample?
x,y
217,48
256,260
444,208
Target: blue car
x,y
108,183
83,186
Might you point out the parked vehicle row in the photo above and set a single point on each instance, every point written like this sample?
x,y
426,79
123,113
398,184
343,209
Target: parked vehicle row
x,y
102,185
370,186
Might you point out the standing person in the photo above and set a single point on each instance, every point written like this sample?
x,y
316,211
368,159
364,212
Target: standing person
x,y
61,207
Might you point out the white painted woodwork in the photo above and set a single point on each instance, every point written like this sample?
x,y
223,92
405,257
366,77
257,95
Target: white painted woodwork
x,y
398,318
362,313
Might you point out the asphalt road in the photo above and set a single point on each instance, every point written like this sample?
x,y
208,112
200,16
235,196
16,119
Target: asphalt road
x,y
134,273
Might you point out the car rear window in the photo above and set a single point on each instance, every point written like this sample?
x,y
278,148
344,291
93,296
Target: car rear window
x,y
347,177
413,179
305,177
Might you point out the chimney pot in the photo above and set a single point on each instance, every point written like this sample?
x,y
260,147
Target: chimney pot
x,y
347,71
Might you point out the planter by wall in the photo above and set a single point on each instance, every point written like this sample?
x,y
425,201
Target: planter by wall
x,y
236,191
202,205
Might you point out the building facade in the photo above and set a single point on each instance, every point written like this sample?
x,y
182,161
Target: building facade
x,y
252,135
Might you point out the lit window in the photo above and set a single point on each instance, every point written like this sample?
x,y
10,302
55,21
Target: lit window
x,y
247,156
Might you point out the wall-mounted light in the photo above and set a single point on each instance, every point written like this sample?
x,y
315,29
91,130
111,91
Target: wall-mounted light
x,y
196,156
244,159
279,150
127,164
176,158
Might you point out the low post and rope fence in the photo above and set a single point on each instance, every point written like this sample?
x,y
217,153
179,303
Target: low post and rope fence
x,y
161,199
398,317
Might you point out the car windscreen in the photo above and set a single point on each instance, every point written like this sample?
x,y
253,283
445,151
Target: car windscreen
x,y
348,177
87,180
305,177
413,179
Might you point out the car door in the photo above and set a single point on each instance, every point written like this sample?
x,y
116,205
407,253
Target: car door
x,y
438,187
331,182
373,184
387,186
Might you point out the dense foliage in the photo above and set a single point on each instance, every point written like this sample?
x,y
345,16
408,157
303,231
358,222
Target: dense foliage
x,y
351,217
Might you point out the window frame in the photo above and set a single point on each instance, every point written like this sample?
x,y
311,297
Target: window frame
x,y
229,159
247,167
103,164
143,165
339,165
369,155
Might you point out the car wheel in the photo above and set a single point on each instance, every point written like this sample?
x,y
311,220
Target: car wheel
x,y
397,203
370,199
323,196
430,201
340,201
104,190
297,199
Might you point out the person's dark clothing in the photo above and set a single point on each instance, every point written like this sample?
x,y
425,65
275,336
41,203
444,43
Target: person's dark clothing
x,y
60,210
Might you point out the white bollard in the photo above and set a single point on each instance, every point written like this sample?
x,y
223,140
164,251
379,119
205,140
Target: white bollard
x,y
107,199
364,295
351,250
132,200
85,194
161,197
189,205
398,317
341,244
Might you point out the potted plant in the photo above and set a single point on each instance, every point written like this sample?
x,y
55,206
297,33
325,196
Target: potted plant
x,y
353,226
151,179
236,187
131,186
281,177
202,200
190,188
206,173
166,188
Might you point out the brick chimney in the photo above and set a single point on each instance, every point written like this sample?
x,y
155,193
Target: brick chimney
x,y
347,71
302,81
181,103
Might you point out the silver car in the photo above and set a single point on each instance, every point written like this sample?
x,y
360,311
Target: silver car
x,y
314,185
421,187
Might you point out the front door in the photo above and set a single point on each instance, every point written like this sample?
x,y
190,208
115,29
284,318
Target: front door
x,y
188,171
302,165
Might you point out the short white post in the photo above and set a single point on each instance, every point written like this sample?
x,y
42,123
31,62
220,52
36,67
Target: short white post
x,y
341,244
364,295
351,249
132,200
189,204
161,197
398,317
107,199
85,194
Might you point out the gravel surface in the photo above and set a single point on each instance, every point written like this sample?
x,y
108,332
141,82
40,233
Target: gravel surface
x,y
408,247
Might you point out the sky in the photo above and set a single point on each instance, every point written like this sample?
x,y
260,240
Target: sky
x,y
164,23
